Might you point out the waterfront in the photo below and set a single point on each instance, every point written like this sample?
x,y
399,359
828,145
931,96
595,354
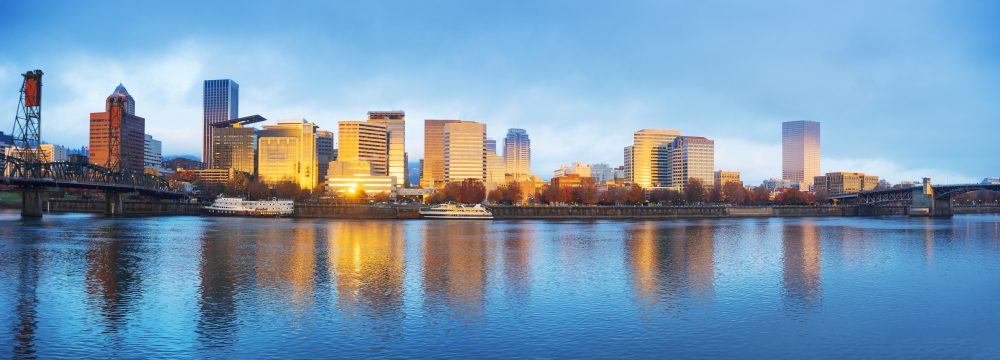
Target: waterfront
x,y
243,287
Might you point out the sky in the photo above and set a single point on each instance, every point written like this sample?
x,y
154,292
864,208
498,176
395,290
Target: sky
x,y
903,89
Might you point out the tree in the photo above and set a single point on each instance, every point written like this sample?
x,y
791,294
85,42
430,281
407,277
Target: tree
x,y
820,196
286,189
471,191
238,184
512,194
760,195
793,196
666,196
635,195
715,195
695,192
585,195
734,193
209,189
495,196
258,190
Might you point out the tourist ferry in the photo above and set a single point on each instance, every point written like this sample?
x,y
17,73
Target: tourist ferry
x,y
452,211
237,206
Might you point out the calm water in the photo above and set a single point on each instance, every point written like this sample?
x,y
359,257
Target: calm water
x,y
235,288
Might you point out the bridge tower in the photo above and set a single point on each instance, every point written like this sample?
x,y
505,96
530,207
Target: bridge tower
x,y
117,157
27,138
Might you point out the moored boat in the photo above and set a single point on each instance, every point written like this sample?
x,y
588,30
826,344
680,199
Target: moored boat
x,y
238,206
452,211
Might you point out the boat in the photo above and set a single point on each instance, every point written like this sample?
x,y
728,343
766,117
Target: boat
x,y
238,206
452,211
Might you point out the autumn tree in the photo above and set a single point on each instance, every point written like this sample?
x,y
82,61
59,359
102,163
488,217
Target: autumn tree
x,y
238,184
286,189
695,191
734,193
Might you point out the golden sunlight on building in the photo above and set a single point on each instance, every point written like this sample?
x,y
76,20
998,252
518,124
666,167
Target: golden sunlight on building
x,y
287,152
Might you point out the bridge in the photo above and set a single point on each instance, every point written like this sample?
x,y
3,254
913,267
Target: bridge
x,y
24,165
923,200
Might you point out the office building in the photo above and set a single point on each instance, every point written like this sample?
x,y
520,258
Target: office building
x,y
627,172
433,167
395,126
234,144
800,152
464,151
221,100
572,181
724,177
517,154
578,168
180,163
325,146
354,177
648,158
129,137
215,176
691,157
364,141
839,183
496,167
287,152
601,172
152,152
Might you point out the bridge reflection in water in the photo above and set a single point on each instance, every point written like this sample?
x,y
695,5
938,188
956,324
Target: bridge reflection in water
x,y
238,287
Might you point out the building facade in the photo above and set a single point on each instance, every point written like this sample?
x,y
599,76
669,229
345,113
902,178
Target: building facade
x,y
578,168
433,167
325,146
354,177
221,100
152,153
800,152
464,151
724,177
395,126
287,152
648,157
839,183
364,141
692,157
495,166
234,147
517,154
129,132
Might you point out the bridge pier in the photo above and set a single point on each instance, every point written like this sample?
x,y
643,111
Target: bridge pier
x,y
942,208
114,204
31,203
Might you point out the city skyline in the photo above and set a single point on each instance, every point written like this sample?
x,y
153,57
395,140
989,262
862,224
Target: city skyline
x,y
829,72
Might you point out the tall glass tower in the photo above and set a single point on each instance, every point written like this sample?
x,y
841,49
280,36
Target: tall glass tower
x,y
800,152
221,103
517,153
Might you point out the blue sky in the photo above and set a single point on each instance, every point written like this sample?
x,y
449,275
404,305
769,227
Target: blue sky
x,y
903,89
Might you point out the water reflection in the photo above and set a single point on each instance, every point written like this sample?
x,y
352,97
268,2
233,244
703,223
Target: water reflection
x,y
455,268
367,264
517,244
223,272
26,324
286,264
670,265
113,279
801,278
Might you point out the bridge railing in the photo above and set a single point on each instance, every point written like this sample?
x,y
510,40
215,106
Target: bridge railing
x,y
13,167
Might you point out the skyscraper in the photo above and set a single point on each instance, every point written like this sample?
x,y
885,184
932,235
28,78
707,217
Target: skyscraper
x,y
325,146
287,152
692,157
395,124
364,141
220,103
649,157
433,167
152,152
495,166
233,147
517,154
800,152
464,151
130,134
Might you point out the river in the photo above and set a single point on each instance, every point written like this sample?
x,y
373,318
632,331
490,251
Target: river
x,y
197,287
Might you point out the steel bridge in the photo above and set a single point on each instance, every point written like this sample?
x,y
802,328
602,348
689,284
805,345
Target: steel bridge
x,y
23,165
926,199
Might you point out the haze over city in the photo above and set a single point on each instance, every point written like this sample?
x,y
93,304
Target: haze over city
x,y
903,89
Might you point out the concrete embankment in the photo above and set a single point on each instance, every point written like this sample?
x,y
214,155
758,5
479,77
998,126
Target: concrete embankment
x,y
523,212
667,212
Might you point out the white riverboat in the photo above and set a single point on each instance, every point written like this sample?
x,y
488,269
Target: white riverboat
x,y
238,206
452,211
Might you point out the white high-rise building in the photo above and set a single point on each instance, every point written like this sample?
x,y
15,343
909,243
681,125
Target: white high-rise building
x,y
800,152
152,156
649,158
395,125
517,153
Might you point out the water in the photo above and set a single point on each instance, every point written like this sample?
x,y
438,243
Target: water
x,y
189,287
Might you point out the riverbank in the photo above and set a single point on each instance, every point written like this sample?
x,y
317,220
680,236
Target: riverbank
x,y
356,211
